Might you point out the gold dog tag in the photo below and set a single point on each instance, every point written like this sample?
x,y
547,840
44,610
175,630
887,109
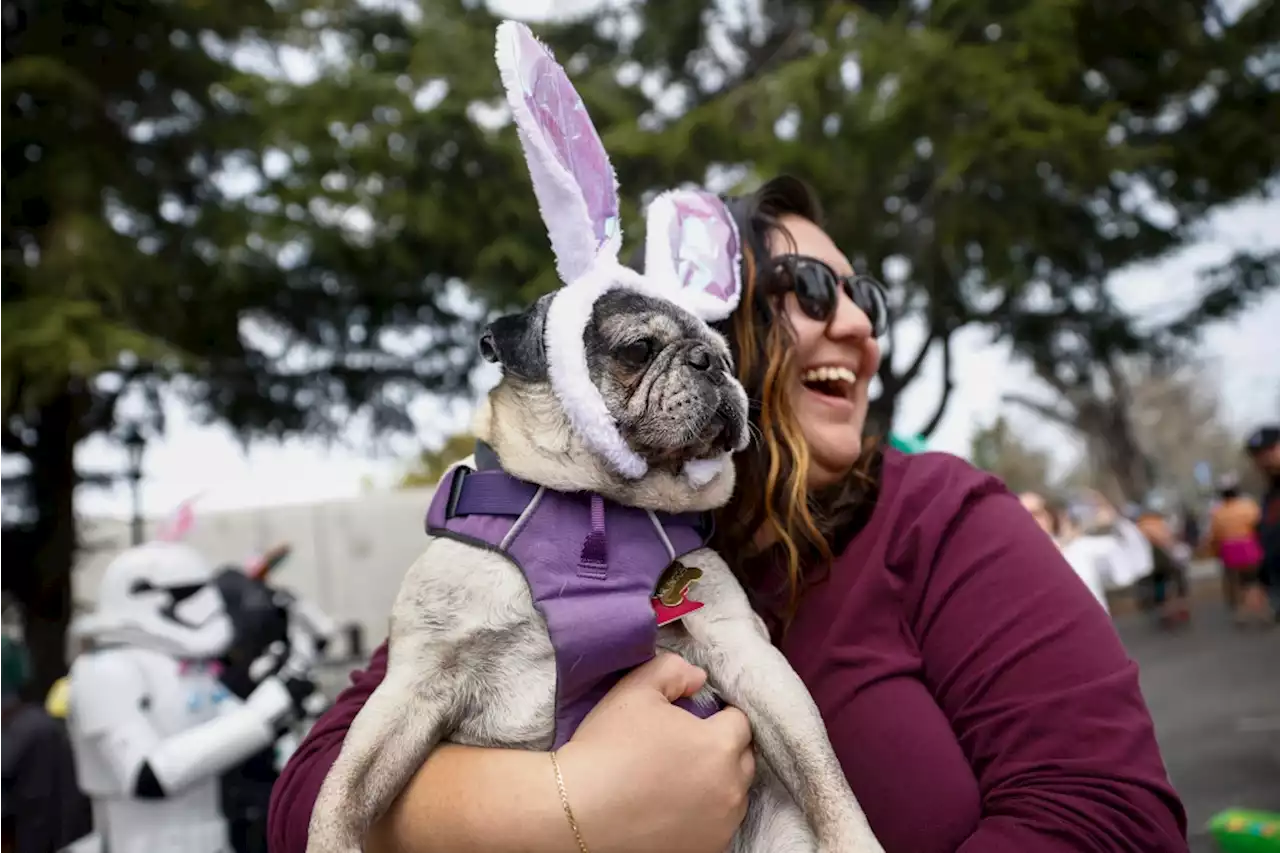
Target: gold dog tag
x,y
674,584
671,598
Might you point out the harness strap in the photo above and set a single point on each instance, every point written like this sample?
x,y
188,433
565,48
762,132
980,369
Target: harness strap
x,y
498,493
488,493
593,562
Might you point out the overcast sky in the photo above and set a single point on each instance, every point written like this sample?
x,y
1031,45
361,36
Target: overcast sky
x,y
1244,358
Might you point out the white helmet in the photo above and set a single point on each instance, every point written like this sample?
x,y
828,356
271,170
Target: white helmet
x,y
160,596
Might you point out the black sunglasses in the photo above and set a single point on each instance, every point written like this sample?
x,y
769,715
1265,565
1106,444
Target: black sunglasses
x,y
817,288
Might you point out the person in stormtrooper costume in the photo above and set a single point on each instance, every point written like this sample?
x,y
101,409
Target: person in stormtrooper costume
x,y
152,724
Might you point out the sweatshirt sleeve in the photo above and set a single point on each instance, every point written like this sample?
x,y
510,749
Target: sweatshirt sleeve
x,y
294,793
1040,693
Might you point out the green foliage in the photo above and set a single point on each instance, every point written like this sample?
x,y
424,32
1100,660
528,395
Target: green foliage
x,y
998,448
114,226
431,464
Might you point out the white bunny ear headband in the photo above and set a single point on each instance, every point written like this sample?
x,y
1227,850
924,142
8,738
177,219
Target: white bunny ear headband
x,y
693,253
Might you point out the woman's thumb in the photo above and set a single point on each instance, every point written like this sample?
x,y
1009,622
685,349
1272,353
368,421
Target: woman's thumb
x,y
669,674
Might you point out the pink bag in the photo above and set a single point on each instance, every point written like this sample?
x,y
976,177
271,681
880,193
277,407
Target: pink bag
x,y
1241,554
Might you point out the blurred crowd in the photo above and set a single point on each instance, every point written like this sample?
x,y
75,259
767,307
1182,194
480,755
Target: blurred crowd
x,y
1147,549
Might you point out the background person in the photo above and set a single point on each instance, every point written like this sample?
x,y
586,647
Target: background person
x,y
1168,579
1105,550
1232,539
44,809
1264,448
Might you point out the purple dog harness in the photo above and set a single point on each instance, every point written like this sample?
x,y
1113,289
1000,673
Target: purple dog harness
x,y
595,591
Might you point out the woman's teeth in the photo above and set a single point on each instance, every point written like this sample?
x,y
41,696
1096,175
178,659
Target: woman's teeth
x,y
829,374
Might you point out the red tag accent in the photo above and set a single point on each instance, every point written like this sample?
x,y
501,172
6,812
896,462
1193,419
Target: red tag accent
x,y
666,615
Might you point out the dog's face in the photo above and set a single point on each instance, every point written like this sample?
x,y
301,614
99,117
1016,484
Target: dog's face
x,y
667,379
665,376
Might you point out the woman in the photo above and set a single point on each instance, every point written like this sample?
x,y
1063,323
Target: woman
x,y
976,695
1106,550
1233,540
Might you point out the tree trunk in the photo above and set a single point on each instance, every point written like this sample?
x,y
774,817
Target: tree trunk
x,y
47,608
1116,447
880,413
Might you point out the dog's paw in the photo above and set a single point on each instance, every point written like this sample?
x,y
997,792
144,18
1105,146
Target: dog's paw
x,y
853,839
319,843
329,833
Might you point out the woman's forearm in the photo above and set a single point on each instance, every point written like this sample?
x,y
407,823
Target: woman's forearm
x,y
470,800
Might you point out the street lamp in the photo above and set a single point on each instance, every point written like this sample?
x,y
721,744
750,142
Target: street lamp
x,y
134,445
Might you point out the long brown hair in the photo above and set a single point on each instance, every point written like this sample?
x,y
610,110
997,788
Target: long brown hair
x,y
808,528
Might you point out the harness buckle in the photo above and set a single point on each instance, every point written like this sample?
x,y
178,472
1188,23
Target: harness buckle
x,y
460,474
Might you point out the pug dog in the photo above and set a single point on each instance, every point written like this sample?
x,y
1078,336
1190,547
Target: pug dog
x,y
470,658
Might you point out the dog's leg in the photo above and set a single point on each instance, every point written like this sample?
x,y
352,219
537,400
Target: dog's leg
x,y
397,728
727,639
470,661
774,823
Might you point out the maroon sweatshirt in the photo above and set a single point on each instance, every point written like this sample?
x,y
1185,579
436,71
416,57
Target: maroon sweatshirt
x,y
978,697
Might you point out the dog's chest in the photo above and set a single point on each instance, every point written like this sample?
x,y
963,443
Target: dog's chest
x,y
591,567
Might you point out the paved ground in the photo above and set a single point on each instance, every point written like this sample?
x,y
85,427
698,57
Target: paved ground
x,y
1214,692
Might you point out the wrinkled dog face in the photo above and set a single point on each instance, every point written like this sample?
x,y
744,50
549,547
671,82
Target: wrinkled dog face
x,y
665,377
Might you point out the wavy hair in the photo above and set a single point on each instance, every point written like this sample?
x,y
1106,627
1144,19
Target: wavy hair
x,y
808,528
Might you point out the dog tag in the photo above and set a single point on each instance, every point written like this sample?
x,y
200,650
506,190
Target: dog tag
x,y
671,599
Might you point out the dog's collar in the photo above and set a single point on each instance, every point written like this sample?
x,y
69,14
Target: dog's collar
x,y
486,458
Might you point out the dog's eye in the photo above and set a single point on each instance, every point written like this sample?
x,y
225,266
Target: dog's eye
x,y
637,353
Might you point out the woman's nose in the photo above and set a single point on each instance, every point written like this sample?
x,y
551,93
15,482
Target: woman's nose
x,y
849,321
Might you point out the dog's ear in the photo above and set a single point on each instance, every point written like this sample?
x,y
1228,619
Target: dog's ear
x,y
516,342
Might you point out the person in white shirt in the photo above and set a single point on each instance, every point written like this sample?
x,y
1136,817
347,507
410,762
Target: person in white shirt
x,y
1106,550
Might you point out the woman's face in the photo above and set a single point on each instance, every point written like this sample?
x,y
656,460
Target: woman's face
x,y
831,418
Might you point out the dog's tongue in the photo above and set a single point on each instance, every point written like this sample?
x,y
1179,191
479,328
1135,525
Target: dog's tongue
x,y
699,472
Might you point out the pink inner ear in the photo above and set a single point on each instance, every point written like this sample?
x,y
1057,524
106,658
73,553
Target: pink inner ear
x,y
705,245
563,121
180,525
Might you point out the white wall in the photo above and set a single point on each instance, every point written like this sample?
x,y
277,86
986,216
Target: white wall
x,y
348,556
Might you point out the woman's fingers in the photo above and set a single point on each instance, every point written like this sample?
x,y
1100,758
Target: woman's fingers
x,y
669,674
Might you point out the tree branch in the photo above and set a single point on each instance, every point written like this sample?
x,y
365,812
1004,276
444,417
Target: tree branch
x,y
13,442
909,375
101,412
948,385
1044,410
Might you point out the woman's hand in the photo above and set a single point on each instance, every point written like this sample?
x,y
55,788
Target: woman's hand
x,y
642,774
